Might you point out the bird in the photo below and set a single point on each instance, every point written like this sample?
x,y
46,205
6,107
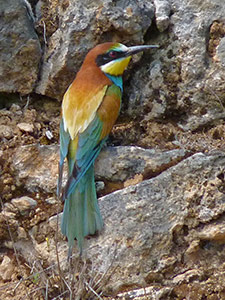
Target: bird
x,y
90,108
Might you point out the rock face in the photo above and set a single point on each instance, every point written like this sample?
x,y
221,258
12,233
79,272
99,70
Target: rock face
x,y
124,163
20,47
162,226
37,166
186,77
149,220
198,46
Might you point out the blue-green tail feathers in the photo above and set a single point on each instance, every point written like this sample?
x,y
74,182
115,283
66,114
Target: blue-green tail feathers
x,y
81,215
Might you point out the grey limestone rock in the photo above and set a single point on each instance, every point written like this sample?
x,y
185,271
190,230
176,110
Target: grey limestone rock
x,y
192,22
185,77
144,223
36,167
221,52
123,162
141,220
162,14
20,50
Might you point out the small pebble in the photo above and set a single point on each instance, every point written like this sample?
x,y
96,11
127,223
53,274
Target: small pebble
x,y
51,200
6,269
49,134
26,127
15,108
100,185
24,204
6,132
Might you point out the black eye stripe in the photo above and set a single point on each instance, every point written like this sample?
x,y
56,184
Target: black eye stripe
x,y
103,59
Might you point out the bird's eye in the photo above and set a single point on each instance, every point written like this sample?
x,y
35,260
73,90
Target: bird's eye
x,y
113,54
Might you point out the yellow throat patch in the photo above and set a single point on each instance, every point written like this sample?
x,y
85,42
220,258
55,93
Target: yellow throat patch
x,y
116,67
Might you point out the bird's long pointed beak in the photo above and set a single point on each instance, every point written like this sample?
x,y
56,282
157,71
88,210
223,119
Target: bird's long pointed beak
x,y
137,49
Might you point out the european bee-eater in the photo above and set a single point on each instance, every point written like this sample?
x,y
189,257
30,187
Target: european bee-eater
x,y
90,108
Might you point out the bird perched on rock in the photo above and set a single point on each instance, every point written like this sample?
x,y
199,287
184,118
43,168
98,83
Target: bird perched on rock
x,y
90,108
